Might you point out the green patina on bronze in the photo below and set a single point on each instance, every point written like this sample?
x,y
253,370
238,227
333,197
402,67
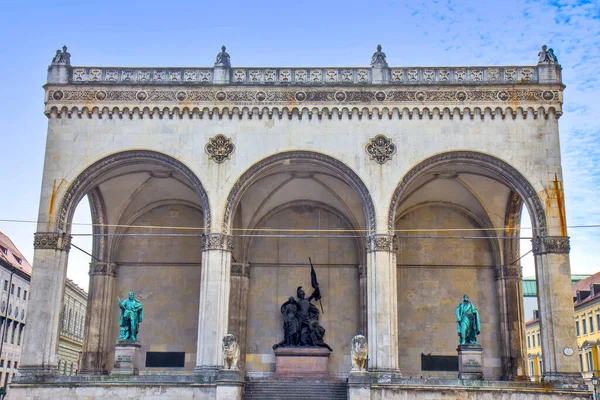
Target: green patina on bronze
x,y
132,313
467,319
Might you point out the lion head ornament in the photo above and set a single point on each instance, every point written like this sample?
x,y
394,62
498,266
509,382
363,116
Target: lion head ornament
x,y
231,351
359,353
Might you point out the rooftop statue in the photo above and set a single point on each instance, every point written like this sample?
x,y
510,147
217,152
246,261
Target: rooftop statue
x,y
547,56
467,319
62,57
132,314
223,59
378,58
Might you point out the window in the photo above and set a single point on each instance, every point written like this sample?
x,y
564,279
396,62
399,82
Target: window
x,y
528,342
577,328
531,369
541,368
590,361
533,339
12,335
19,292
21,326
69,322
19,261
12,289
591,324
75,321
1,363
581,362
71,369
16,364
24,294
539,342
584,326
4,250
6,332
8,364
64,317
5,285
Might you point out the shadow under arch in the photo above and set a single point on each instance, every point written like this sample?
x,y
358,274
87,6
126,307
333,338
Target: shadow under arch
x,y
253,173
87,180
509,174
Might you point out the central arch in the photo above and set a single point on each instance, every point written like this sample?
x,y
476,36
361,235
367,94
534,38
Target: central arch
x,y
342,170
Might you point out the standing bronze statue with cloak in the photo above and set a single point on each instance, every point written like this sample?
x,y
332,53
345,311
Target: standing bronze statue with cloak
x,y
132,313
468,324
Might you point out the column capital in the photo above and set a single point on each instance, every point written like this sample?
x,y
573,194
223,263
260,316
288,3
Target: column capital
x,y
52,241
379,242
103,268
217,241
508,272
551,244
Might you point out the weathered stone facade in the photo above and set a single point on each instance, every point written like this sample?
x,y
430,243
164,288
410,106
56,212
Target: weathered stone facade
x,y
211,187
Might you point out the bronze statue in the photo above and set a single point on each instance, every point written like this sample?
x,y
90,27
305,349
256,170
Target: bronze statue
x,y
467,319
223,59
132,314
301,319
378,58
62,57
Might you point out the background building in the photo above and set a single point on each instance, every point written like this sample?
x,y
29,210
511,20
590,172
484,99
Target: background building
x,y
15,275
586,301
72,329
530,302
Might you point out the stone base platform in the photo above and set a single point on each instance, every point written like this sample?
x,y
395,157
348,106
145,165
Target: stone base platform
x,y
300,361
171,387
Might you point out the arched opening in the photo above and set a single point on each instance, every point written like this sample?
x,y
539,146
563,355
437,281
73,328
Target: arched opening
x,y
457,216
148,212
283,210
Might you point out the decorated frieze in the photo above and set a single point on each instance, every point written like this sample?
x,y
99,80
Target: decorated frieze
x,y
381,243
51,241
551,244
217,241
103,268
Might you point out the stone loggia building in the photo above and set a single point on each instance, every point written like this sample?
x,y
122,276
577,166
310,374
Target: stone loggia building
x,y
211,187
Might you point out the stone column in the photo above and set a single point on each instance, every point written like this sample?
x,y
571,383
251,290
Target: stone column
x,y
382,302
39,354
214,303
362,284
559,344
98,318
510,297
238,306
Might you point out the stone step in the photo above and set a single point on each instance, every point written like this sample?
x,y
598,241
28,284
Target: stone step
x,y
295,389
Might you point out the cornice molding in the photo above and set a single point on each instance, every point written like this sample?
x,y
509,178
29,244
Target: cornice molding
x,y
533,102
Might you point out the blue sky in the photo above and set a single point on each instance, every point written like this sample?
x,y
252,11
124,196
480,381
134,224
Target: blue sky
x,y
276,33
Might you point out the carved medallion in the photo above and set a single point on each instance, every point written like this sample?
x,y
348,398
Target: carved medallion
x,y
548,95
503,95
221,96
380,96
421,96
181,96
58,95
380,149
100,95
219,148
340,96
141,95
461,96
300,96
260,96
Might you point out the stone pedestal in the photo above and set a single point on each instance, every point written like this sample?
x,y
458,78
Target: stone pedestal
x,y
291,361
470,362
127,354
230,384
359,385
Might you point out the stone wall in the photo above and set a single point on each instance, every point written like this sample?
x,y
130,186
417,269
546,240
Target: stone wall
x,y
433,275
164,273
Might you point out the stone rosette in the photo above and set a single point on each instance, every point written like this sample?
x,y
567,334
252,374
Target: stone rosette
x,y
380,149
219,148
